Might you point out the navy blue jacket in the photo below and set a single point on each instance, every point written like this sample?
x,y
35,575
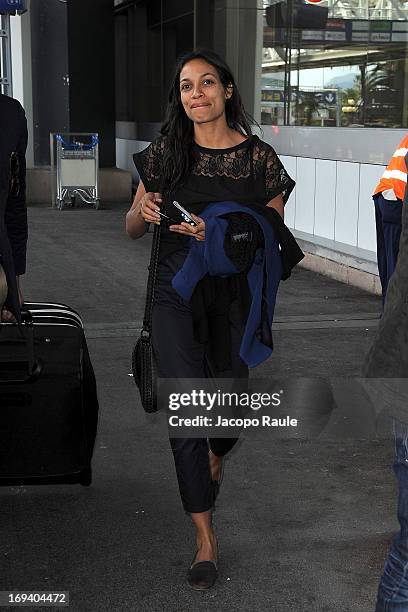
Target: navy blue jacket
x,y
208,257
13,213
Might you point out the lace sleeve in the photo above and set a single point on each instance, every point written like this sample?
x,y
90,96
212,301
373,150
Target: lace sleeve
x,y
277,180
149,165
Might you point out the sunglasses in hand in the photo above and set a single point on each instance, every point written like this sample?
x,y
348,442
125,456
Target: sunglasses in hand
x,y
182,215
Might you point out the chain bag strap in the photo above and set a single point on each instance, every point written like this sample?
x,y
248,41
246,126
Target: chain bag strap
x,y
151,281
143,361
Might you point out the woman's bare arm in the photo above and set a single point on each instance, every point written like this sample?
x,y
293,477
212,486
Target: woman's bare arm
x,y
277,204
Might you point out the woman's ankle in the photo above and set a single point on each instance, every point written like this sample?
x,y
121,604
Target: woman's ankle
x,y
206,539
207,547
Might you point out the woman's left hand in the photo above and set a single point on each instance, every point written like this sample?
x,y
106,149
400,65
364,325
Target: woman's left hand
x,y
197,231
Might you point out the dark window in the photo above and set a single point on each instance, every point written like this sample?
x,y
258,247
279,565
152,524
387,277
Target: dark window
x,y
149,38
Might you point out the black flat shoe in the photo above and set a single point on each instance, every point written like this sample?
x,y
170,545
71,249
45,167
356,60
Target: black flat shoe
x,y
202,575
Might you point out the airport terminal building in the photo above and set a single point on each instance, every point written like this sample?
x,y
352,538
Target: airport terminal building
x,y
326,80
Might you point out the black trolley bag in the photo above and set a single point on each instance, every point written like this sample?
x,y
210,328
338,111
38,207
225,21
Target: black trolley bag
x,y
48,398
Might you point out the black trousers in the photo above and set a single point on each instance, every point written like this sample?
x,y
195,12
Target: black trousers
x,y
179,355
388,221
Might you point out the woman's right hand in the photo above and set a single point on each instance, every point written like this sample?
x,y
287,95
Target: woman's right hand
x,y
149,205
142,210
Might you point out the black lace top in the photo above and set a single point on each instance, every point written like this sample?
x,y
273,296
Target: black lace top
x,y
249,172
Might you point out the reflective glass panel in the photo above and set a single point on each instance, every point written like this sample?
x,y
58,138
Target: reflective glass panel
x,y
335,63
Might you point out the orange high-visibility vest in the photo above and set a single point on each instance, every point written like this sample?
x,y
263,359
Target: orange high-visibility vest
x,y
395,175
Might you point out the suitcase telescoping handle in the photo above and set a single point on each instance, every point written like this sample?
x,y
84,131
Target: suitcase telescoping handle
x,y
17,372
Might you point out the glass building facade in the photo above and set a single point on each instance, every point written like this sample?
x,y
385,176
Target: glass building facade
x,y
333,63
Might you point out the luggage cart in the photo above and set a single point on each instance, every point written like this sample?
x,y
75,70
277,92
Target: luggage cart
x,y
77,165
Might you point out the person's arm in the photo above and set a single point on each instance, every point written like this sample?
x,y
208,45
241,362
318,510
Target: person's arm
x,y
16,209
142,212
277,204
16,214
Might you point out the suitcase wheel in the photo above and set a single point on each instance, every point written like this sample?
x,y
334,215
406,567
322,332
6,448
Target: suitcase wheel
x,y
85,477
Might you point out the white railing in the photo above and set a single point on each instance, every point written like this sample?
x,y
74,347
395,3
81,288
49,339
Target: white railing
x,y
362,9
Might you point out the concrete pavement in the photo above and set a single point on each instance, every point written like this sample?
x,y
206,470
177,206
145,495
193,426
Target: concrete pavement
x,y
302,526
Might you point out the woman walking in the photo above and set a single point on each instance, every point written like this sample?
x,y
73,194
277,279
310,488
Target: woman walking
x,y
206,153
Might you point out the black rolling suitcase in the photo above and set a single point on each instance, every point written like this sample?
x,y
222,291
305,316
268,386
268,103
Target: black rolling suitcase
x,y
48,399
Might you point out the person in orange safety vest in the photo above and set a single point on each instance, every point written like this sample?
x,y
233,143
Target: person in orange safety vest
x,y
388,197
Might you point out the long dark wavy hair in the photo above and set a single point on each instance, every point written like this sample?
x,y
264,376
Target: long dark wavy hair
x,y
178,128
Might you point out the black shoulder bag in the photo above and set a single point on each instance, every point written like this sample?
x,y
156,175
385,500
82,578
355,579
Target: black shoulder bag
x,y
143,361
